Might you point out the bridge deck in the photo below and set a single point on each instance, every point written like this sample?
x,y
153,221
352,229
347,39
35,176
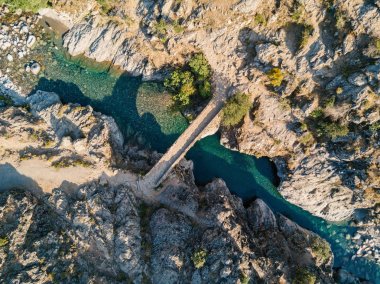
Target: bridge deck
x,y
183,144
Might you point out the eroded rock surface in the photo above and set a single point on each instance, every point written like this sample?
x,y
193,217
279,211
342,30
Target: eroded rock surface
x,y
104,233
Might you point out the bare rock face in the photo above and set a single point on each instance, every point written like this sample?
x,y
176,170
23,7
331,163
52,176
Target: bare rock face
x,y
64,142
104,233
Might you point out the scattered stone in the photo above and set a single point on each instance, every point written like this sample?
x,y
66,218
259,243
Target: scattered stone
x,y
10,57
35,68
30,41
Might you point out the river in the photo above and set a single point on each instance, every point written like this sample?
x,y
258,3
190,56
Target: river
x,y
142,112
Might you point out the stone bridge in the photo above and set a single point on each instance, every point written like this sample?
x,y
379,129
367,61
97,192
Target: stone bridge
x,y
196,130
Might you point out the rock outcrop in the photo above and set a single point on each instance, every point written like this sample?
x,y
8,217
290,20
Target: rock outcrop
x,y
104,233
320,123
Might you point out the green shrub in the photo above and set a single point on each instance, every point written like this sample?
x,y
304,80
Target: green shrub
x,y
307,139
330,102
244,279
178,29
276,77
332,129
199,258
26,5
304,276
374,127
377,44
235,109
3,241
320,249
317,113
298,14
322,126
7,101
341,20
260,20
160,28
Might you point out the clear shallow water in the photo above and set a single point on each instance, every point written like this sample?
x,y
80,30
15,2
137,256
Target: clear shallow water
x,y
141,111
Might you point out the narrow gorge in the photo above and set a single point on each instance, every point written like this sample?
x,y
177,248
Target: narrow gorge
x,y
287,194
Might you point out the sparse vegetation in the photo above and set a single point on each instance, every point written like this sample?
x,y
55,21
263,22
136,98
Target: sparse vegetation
x,y
298,14
260,19
341,20
69,162
330,102
106,5
307,139
320,250
307,32
322,126
191,80
7,101
199,258
374,127
3,241
26,5
276,76
160,28
235,109
304,276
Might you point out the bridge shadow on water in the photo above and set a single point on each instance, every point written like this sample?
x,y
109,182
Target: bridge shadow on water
x,y
121,105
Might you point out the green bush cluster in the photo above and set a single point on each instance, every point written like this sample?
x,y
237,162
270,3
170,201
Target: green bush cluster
x,y
26,5
199,258
235,109
260,19
7,101
324,127
320,249
193,79
276,76
304,276
3,241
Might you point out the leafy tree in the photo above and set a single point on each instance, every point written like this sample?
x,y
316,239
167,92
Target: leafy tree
x,y
200,67
182,85
205,89
193,79
235,109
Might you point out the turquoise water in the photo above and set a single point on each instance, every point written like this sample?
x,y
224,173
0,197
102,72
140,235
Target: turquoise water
x,y
141,111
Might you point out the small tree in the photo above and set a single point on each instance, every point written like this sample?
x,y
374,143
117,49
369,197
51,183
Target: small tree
x,y
235,109
200,67
182,86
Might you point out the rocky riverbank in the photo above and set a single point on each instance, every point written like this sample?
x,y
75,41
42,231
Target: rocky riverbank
x,y
318,119
100,228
